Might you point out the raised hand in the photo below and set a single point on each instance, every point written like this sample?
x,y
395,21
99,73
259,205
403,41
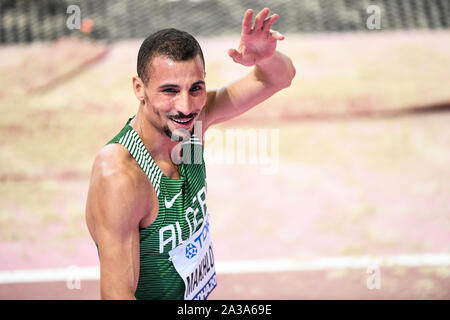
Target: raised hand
x,y
257,43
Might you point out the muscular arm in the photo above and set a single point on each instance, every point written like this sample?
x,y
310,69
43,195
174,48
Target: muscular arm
x,y
266,78
272,71
113,220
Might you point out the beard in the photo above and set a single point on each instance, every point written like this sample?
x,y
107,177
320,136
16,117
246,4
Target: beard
x,y
167,131
178,134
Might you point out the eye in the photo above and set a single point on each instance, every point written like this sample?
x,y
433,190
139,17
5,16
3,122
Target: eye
x,y
170,90
196,88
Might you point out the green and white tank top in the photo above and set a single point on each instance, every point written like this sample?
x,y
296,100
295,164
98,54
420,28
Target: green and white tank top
x,y
181,224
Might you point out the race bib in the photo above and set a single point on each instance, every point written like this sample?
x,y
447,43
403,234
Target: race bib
x,y
194,261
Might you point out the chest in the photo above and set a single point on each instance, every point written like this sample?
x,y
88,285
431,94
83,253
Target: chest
x,y
179,200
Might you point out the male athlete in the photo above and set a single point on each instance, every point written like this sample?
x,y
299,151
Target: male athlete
x,y
146,209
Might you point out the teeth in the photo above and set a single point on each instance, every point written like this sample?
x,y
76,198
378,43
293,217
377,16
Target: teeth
x,y
181,121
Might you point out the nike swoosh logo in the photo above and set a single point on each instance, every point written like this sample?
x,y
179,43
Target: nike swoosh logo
x,y
170,203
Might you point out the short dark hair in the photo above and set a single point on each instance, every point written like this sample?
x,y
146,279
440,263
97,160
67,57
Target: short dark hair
x,y
173,43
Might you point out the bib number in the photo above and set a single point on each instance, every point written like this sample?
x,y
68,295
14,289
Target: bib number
x,y
194,261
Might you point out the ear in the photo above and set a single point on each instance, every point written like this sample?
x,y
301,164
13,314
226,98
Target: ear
x,y
139,88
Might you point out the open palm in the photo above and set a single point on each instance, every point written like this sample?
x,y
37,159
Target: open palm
x,y
257,43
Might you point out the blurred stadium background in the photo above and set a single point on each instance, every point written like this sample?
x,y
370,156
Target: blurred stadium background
x,y
27,21
363,150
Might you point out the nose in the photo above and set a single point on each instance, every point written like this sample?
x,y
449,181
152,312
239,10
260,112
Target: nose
x,y
184,104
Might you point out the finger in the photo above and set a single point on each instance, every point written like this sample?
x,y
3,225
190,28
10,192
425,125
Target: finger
x,y
235,55
247,21
269,22
259,20
276,35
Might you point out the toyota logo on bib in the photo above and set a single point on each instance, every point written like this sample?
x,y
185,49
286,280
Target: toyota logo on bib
x,y
191,251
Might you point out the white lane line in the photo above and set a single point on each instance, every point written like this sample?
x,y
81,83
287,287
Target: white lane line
x,y
72,273
326,263
49,275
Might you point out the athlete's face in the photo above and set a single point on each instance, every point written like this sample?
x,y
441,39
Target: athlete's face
x,y
174,94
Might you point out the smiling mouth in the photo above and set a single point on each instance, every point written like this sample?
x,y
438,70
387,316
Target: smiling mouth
x,y
183,121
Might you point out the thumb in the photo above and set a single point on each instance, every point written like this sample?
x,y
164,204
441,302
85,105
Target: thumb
x,y
236,56
276,35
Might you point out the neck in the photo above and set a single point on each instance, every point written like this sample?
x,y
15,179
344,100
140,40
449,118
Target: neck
x,y
158,144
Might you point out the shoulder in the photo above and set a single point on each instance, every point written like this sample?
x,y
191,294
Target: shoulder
x,y
114,168
112,161
116,191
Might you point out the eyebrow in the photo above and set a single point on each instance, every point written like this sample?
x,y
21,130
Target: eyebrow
x,y
169,85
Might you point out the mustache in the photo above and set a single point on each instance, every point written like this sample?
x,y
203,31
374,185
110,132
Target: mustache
x,y
181,115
